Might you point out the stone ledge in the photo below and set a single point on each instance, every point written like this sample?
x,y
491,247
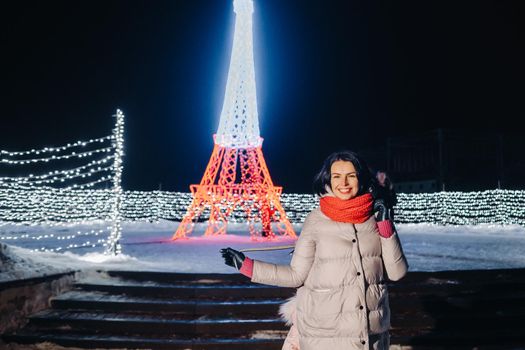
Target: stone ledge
x,y
20,298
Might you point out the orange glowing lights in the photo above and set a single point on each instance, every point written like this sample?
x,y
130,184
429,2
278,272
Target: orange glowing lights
x,y
219,194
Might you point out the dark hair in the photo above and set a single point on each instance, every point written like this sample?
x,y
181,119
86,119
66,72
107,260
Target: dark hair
x,y
388,182
364,176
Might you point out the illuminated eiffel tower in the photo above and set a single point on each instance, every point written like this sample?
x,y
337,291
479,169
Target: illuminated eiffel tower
x,y
237,175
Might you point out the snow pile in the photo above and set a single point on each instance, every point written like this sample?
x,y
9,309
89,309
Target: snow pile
x,y
15,264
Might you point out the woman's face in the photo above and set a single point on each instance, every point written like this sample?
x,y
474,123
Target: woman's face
x,y
343,179
381,178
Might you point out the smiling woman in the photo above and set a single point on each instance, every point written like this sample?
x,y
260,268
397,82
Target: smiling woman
x,y
345,174
341,262
343,179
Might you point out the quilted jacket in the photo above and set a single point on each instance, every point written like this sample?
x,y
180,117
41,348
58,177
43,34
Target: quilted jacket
x,y
340,270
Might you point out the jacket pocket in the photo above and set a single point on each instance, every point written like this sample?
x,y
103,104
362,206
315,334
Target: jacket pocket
x,y
319,312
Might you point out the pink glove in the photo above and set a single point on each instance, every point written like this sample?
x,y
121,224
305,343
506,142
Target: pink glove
x,y
385,228
247,268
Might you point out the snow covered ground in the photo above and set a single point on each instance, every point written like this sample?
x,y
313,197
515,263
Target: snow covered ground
x,y
147,246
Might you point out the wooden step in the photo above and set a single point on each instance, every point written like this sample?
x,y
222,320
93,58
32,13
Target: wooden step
x,y
119,323
76,340
450,310
198,291
80,300
174,277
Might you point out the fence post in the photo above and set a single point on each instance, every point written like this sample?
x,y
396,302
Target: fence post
x,y
113,245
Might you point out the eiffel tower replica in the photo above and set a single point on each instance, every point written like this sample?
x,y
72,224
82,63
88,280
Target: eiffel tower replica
x,y
237,175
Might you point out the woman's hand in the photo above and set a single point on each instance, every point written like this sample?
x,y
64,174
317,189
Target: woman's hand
x,y
381,211
383,218
232,257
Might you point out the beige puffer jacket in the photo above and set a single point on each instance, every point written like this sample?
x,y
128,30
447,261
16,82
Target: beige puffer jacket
x,y
341,269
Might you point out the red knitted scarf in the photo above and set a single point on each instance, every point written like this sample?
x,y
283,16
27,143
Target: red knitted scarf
x,y
355,210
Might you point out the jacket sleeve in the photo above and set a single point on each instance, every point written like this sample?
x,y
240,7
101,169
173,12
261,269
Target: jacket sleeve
x,y
396,265
292,275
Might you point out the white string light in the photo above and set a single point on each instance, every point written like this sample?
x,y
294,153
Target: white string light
x,y
55,179
64,208
25,201
463,208
54,149
50,205
113,244
52,235
53,157
57,174
62,197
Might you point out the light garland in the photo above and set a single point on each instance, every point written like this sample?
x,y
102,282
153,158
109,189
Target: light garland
x,y
55,246
52,235
53,157
32,201
463,208
64,208
57,175
113,244
60,179
62,197
54,149
46,205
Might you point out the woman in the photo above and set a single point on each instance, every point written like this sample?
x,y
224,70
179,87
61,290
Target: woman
x,y
341,262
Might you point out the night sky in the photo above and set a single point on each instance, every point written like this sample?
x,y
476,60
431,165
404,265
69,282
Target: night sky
x,y
330,75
